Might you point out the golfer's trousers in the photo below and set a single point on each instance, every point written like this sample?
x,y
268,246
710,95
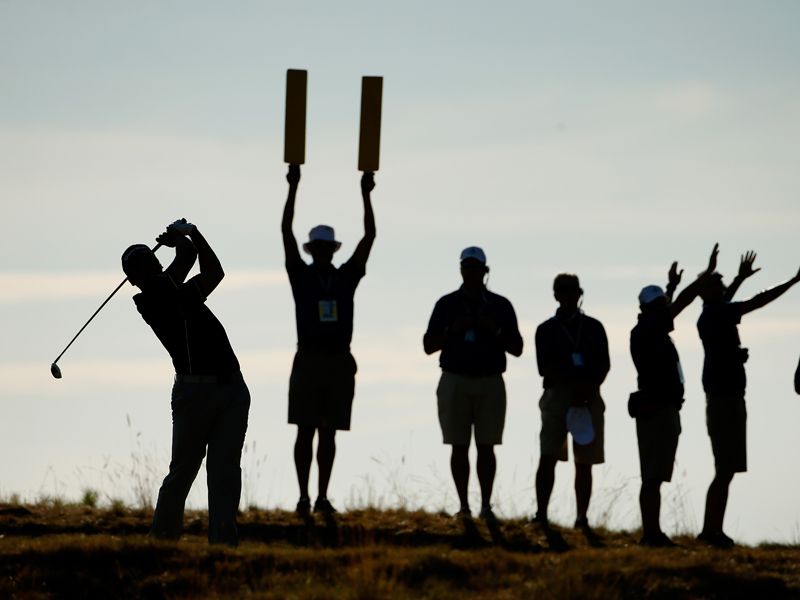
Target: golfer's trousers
x,y
213,416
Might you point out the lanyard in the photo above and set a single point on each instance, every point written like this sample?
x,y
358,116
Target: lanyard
x,y
576,340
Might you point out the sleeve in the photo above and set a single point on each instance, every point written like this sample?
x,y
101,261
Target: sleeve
x,y
438,321
543,358
510,327
603,365
352,271
190,296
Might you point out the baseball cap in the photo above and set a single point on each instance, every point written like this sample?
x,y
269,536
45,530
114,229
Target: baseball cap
x,y
650,293
473,252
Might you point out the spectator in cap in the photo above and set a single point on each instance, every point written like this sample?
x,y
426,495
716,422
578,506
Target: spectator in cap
x,y
474,329
322,383
572,356
656,404
724,382
210,400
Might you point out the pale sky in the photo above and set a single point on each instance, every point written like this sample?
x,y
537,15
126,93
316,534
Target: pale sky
x,y
605,139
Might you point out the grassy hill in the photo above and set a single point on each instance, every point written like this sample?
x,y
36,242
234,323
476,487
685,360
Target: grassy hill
x,y
54,550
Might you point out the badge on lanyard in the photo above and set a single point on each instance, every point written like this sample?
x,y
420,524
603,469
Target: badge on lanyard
x,y
577,359
328,312
469,336
680,373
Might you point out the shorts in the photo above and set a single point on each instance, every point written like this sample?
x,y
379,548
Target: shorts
x,y
657,435
726,419
321,389
467,402
554,404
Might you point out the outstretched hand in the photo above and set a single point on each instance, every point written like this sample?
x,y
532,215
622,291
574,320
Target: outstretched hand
x,y
674,276
293,175
746,265
367,182
712,260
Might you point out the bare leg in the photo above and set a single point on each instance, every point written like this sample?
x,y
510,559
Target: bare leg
x,y
459,467
583,489
717,502
545,478
487,467
326,452
302,457
650,504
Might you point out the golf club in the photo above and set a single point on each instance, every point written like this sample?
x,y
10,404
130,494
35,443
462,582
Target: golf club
x,y
55,370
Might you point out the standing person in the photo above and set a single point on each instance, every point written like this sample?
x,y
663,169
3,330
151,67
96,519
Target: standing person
x,y
724,382
473,328
322,383
572,356
657,404
210,400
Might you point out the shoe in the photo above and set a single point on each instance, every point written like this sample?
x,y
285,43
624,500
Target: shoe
x,y
717,540
657,540
323,505
488,515
540,519
582,523
464,514
303,506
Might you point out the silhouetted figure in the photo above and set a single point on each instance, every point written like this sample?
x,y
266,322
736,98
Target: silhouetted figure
x,y
473,328
210,400
322,382
661,386
724,383
572,356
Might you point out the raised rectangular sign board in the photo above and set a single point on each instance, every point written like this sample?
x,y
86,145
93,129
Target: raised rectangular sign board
x,y
369,143
294,141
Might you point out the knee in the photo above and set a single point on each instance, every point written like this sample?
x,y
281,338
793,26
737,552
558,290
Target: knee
x,y
485,451
460,451
305,435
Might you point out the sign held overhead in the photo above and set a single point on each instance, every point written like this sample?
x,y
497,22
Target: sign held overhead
x,y
294,142
369,144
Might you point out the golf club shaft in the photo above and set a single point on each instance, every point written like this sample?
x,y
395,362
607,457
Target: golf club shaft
x,y
111,295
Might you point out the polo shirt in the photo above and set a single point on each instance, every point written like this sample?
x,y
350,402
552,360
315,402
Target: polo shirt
x,y
186,327
323,301
656,359
560,339
474,353
723,366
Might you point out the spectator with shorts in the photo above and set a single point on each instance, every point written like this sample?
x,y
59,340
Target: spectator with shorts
x,y
657,403
572,356
210,400
322,383
474,329
724,382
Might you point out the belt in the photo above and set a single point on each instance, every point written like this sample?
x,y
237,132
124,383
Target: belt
x,y
229,378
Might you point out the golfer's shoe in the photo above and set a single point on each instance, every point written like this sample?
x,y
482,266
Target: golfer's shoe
x,y
303,507
323,506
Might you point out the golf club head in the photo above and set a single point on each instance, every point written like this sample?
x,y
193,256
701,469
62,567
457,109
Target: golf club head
x,y
56,372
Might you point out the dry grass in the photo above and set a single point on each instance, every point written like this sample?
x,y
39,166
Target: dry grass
x,y
77,551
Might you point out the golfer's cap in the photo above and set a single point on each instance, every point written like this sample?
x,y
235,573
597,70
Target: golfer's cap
x,y
650,293
579,424
473,252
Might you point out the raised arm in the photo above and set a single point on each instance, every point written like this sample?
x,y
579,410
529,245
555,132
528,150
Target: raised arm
x,y
745,270
211,272
289,242
364,246
185,254
767,296
690,292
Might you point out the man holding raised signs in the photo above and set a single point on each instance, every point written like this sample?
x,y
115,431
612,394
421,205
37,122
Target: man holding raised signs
x,y
322,382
